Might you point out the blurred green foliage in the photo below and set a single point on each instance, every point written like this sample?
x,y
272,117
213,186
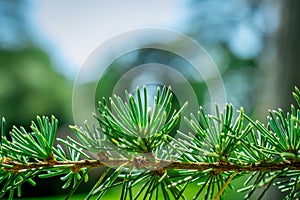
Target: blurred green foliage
x,y
29,86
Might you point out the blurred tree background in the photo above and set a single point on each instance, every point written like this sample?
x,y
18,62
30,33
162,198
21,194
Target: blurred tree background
x,y
255,45
30,85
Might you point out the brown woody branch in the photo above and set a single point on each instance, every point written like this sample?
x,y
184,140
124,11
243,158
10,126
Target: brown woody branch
x,y
157,165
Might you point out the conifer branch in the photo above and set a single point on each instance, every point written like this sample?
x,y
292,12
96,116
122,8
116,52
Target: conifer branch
x,y
136,144
142,163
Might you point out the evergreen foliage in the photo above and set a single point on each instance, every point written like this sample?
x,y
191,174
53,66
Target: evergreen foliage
x,y
132,142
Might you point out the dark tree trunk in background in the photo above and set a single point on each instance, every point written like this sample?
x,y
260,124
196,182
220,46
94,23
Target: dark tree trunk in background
x,y
288,52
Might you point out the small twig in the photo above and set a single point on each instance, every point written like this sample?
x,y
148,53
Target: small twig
x,y
225,186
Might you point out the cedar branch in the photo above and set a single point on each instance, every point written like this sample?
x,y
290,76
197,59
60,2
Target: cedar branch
x,y
153,165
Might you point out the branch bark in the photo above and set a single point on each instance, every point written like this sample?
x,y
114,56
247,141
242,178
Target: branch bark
x,y
157,165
